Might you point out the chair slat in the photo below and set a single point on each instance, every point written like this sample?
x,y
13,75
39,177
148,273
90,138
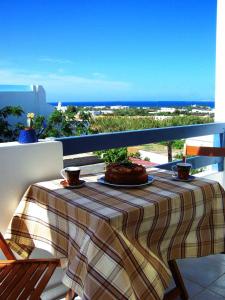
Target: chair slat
x,y
19,288
2,269
20,279
10,277
16,280
5,272
33,281
43,282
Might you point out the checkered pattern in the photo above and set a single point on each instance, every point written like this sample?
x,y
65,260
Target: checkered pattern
x,y
117,241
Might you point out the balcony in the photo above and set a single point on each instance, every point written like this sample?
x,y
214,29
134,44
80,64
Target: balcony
x,y
25,164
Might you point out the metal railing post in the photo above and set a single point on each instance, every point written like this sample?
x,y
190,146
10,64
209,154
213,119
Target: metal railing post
x,y
222,144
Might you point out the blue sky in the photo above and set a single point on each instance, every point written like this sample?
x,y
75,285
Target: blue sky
x,y
110,49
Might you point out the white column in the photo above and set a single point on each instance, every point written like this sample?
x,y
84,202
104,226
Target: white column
x,y
220,63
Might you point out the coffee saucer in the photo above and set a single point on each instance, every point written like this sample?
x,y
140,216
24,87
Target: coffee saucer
x,y
66,185
176,178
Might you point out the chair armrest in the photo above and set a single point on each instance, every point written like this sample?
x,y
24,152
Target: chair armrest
x,y
23,261
5,248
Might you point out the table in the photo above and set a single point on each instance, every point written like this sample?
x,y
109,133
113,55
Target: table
x,y
118,241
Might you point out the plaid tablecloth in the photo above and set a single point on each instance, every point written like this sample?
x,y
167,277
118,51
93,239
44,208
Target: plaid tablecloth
x,y
117,241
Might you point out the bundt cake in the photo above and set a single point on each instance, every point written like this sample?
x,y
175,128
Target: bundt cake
x,y
126,173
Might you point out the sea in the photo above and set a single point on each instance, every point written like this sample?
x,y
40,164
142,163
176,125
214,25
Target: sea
x,y
138,103
154,103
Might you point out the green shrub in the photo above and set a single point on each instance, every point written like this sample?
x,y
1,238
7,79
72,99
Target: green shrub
x,y
113,155
196,171
135,154
121,123
178,144
179,155
8,132
68,123
147,159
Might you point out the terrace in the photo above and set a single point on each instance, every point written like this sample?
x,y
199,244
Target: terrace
x,y
26,164
45,160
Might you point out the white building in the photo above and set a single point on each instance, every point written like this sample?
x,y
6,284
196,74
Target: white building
x,y
200,111
33,99
60,107
167,109
161,117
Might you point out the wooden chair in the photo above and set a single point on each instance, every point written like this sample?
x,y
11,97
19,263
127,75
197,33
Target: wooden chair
x,y
23,279
205,151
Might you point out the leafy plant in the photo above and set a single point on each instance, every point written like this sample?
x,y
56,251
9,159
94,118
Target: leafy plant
x,y
135,154
178,144
113,155
68,123
196,171
40,125
9,132
179,155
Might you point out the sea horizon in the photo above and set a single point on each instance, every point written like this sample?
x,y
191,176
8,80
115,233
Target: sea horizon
x,y
146,103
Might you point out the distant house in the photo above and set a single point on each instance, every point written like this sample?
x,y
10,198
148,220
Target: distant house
x,y
100,112
167,109
162,117
200,111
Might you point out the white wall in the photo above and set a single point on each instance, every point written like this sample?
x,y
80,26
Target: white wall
x,y
20,166
30,101
206,140
154,157
220,63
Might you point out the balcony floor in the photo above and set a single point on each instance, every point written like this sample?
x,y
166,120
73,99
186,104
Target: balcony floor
x,y
204,277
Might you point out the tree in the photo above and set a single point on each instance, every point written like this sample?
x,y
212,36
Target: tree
x,y
68,123
9,132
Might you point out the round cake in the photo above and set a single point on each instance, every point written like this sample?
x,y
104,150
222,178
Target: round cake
x,y
126,173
